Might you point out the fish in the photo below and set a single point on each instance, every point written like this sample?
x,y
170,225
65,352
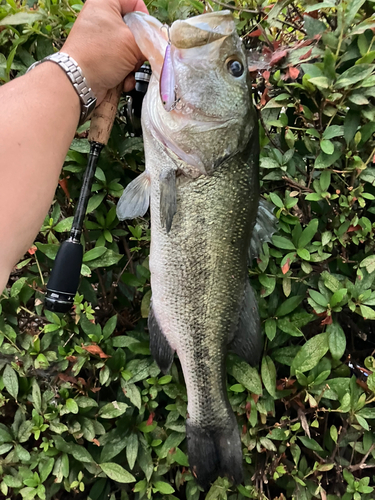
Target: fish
x,y
201,183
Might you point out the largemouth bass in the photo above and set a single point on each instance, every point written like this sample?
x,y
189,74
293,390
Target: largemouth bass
x,y
201,181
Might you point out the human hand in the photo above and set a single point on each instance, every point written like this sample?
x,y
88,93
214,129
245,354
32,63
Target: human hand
x,y
103,45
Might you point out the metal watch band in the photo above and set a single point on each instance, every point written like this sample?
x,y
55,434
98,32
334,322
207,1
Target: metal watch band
x,y
74,72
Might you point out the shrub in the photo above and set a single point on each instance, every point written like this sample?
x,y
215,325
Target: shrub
x,y
85,410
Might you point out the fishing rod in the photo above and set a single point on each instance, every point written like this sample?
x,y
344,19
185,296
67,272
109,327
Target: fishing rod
x,y
64,280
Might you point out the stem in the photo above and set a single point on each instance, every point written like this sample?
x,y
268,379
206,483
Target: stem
x,y
362,464
370,157
26,310
11,341
40,271
102,286
267,132
233,7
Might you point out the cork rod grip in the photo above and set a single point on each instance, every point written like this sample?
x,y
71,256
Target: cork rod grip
x,y
104,116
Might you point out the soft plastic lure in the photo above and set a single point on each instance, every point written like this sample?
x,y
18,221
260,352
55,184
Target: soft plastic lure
x,y
167,81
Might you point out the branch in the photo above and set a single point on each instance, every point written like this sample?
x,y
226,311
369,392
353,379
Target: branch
x,y
362,464
233,7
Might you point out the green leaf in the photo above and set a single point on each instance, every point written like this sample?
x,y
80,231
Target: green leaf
x,y
163,488
71,406
337,297
132,392
197,5
80,453
17,287
359,99
318,298
311,444
117,473
64,225
24,431
45,469
369,264
268,372
244,374
270,328
10,381
94,202
367,312
172,441
325,182
308,233
304,254
109,258
94,254
320,81
132,450
327,146
48,249
180,457
311,353
354,75
37,397
5,436
333,433
109,327
324,161
86,402
112,410
113,448
362,422
336,340
281,242
22,18
145,305
289,305
367,412
333,131
351,124
285,355
276,200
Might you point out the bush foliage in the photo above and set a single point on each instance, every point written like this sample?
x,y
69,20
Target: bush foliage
x,y
84,410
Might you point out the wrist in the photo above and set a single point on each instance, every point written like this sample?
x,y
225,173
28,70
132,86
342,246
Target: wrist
x,y
83,59
77,79
53,78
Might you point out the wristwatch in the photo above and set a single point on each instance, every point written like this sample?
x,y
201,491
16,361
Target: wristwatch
x,y
74,72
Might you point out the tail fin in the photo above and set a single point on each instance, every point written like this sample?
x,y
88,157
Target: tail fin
x,y
214,452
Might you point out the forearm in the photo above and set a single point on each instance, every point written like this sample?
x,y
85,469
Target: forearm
x,y
39,114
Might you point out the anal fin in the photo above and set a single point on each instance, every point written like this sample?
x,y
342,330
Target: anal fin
x,y
247,341
135,199
160,349
265,227
168,198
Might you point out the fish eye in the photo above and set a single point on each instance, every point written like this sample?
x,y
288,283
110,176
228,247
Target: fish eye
x,y
235,68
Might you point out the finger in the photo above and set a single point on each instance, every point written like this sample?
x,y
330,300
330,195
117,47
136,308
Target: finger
x,y
132,5
129,83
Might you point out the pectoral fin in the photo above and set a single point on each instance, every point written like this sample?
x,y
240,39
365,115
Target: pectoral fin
x,y
135,199
160,349
265,227
168,198
247,341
